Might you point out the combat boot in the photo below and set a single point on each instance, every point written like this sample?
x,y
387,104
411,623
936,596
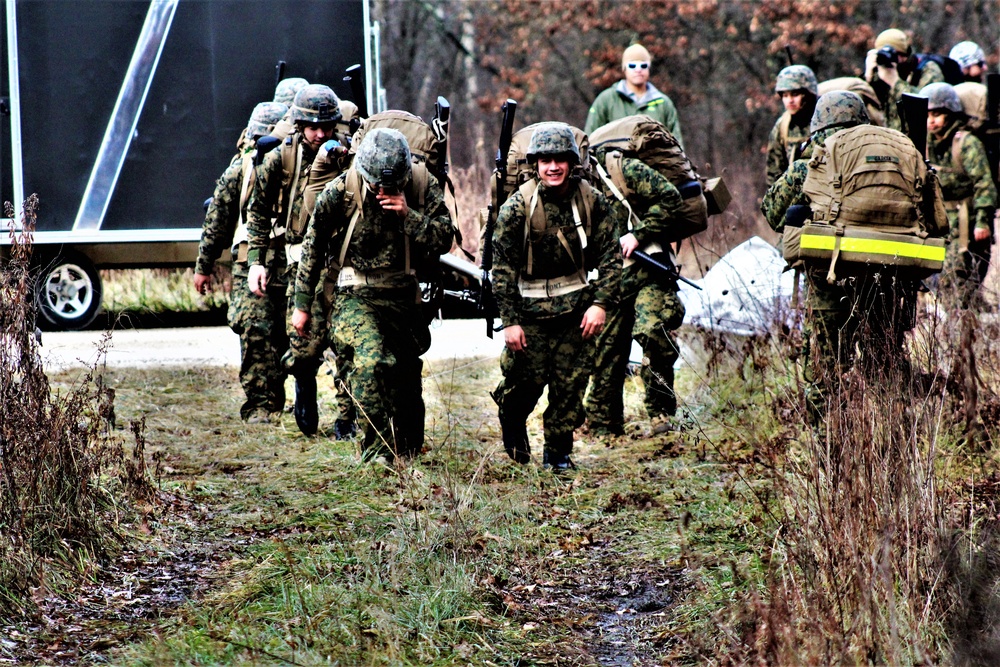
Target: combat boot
x,y
514,432
306,411
344,429
557,451
515,439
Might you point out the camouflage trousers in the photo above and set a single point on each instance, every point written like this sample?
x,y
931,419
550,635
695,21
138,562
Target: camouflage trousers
x,y
557,356
306,352
862,321
649,316
379,336
963,273
258,322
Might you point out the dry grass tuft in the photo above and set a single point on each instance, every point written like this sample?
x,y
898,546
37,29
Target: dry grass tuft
x,y
65,477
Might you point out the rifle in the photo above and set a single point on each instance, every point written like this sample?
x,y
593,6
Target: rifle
x,y
487,304
788,54
913,113
279,72
442,114
666,269
990,132
353,78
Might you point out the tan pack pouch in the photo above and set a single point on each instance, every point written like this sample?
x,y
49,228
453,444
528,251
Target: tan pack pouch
x,y
717,195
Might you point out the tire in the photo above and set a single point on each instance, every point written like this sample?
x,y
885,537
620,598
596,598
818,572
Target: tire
x,y
68,291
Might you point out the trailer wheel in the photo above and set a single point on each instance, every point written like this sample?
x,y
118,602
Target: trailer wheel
x,y
68,291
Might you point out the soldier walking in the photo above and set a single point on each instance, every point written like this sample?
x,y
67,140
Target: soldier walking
x,y
276,227
258,320
549,234
369,224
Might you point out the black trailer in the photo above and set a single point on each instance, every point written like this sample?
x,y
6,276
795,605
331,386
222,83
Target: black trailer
x,y
121,114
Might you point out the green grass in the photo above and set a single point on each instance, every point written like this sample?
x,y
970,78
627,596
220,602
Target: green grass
x,y
461,558
656,551
161,291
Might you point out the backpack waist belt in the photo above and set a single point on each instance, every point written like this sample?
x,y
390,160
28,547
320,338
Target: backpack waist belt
x,y
542,288
293,253
351,277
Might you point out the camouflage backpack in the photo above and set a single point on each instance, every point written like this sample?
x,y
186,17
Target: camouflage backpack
x,y
427,142
520,171
870,197
863,89
648,140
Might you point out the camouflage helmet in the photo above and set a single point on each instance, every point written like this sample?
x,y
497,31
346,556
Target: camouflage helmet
x,y
284,92
967,54
941,97
383,158
263,118
553,139
797,77
316,103
839,108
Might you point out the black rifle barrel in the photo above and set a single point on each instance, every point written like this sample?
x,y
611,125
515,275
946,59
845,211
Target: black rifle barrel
x,y
913,111
353,77
667,269
486,301
279,72
442,109
993,98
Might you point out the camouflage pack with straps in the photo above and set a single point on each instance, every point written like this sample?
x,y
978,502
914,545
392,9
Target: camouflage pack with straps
x,y
644,138
536,281
871,195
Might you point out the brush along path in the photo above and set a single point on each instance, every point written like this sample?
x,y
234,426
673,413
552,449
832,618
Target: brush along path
x,y
282,549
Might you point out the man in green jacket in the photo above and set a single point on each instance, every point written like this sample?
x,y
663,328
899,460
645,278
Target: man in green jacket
x,y
634,95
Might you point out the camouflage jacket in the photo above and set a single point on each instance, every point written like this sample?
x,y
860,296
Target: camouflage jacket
x,y
787,190
656,203
970,180
550,258
779,153
265,198
222,217
378,239
889,97
617,102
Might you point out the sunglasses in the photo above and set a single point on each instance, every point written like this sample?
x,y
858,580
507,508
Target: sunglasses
x,y
637,65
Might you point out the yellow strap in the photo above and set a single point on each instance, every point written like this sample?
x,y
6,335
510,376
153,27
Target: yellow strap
x,y
354,186
242,234
872,246
293,191
964,228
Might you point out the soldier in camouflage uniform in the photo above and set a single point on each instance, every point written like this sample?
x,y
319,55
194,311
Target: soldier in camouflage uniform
x,y
971,59
871,311
898,76
649,308
259,321
276,229
969,193
549,308
367,222
798,89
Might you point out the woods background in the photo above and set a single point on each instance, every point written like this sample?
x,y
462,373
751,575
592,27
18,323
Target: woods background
x,y
716,59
